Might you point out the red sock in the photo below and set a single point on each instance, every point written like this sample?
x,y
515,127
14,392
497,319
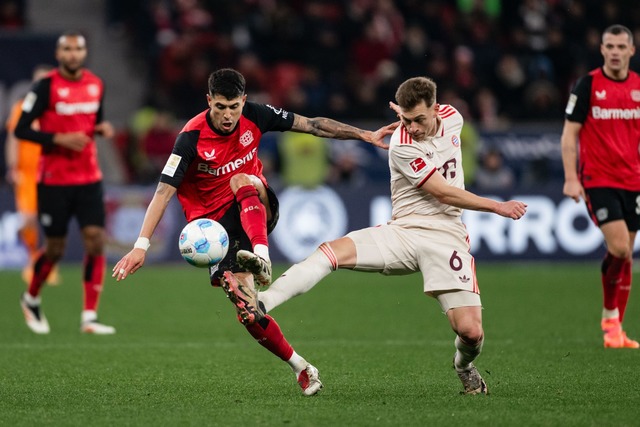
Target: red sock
x,y
253,215
94,267
41,270
624,289
612,271
268,334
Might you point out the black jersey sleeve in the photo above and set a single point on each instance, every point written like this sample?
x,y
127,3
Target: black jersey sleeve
x,y
268,117
578,105
100,113
183,153
35,103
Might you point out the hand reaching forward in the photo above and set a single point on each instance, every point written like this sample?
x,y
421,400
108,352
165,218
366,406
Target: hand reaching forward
x,y
377,137
511,209
129,264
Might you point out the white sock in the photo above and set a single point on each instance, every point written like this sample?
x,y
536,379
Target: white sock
x,y
32,301
262,251
297,363
89,316
465,354
298,279
610,314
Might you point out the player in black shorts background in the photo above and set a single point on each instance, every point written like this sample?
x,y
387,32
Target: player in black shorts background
x,y
603,120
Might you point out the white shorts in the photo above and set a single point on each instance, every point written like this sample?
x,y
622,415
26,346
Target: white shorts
x,y
436,246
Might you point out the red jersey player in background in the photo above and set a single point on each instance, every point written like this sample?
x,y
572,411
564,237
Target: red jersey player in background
x,y
68,106
603,118
215,171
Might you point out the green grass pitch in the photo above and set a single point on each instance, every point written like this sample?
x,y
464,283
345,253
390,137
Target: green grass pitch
x,y
383,350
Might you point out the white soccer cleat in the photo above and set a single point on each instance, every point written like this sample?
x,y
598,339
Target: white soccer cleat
x,y
33,315
96,328
256,265
309,381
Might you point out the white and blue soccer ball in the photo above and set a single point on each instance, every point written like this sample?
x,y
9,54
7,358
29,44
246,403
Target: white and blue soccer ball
x,y
203,242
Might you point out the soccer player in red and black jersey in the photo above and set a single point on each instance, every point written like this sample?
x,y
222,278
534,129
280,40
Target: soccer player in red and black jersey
x,y
215,171
603,119
68,106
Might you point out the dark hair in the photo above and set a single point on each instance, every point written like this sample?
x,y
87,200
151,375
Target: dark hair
x,y
226,82
415,90
618,29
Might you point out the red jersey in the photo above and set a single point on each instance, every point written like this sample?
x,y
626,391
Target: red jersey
x,y
61,106
609,111
203,160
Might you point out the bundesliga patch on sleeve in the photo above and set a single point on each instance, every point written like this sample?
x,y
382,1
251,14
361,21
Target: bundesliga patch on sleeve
x,y
571,104
172,165
29,101
418,164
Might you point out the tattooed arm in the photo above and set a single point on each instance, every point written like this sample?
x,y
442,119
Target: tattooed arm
x,y
328,128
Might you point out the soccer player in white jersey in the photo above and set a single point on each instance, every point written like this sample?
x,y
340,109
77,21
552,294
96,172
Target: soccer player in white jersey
x,y
425,233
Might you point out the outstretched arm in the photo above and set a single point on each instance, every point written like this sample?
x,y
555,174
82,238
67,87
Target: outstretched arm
x,y
329,128
132,261
454,196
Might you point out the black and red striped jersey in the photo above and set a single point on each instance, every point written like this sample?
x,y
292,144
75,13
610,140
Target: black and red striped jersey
x,y
61,105
609,111
203,160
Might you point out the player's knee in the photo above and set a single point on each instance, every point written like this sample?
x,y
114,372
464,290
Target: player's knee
x,y
94,241
54,251
619,251
471,334
240,180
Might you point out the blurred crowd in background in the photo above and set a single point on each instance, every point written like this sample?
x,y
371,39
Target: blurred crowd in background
x,y
499,62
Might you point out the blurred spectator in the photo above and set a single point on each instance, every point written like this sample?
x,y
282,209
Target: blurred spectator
x,y
12,14
542,101
304,159
493,174
158,140
508,61
349,161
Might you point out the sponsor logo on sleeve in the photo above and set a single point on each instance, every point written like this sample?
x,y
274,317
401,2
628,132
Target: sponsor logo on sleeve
x,y
279,111
571,103
172,165
418,164
29,101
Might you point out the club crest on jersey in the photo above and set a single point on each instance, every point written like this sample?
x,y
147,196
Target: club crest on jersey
x,y
93,90
635,95
601,94
455,140
246,138
418,164
63,92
